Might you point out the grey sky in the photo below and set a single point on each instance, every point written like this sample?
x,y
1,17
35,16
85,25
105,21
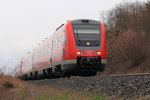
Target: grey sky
x,y
25,23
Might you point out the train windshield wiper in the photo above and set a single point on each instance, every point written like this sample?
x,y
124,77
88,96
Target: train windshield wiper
x,y
78,35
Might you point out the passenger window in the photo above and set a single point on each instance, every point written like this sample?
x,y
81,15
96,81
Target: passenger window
x,y
59,42
64,38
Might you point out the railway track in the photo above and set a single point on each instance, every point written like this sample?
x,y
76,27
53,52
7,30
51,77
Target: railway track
x,y
125,86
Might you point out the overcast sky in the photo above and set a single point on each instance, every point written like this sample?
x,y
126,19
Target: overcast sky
x,y
25,23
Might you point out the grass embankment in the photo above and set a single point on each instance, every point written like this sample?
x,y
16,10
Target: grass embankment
x,y
15,89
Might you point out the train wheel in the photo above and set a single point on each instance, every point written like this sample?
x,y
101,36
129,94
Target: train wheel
x,y
58,72
24,77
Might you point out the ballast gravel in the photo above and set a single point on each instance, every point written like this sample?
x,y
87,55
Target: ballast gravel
x,y
119,86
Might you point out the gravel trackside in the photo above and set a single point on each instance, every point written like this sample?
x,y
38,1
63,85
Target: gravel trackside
x,y
119,86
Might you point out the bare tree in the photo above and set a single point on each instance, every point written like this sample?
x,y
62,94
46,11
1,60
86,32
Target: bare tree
x,y
128,35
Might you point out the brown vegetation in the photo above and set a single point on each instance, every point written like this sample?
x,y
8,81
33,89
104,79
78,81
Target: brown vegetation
x,y
128,37
15,89
6,84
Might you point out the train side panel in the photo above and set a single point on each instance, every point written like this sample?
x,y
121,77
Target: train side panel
x,y
27,63
103,43
71,46
42,55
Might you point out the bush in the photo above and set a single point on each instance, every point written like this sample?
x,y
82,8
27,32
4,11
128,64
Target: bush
x,y
128,37
130,47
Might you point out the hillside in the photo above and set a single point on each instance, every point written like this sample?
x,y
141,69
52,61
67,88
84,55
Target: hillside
x,y
128,38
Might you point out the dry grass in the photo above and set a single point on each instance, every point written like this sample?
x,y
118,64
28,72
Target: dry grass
x,y
7,85
15,89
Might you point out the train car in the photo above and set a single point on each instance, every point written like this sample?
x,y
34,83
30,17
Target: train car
x,y
18,72
76,48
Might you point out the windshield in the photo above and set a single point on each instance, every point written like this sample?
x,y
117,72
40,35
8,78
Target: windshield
x,y
87,33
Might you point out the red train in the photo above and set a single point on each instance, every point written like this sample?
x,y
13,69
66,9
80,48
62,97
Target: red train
x,y
76,48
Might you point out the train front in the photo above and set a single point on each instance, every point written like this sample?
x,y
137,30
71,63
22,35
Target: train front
x,y
86,46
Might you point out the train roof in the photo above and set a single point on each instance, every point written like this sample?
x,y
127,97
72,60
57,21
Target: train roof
x,y
82,21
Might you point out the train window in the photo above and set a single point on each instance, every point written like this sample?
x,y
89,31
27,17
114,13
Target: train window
x,y
35,55
43,51
88,34
48,46
59,42
40,53
55,43
46,50
63,38
86,31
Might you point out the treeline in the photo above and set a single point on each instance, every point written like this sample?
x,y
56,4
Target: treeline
x,y
128,37
128,15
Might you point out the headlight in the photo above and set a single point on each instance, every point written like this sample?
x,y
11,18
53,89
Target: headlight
x,y
98,53
79,52
88,43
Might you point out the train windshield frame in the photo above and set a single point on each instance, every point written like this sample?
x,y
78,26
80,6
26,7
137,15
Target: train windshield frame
x,y
87,33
